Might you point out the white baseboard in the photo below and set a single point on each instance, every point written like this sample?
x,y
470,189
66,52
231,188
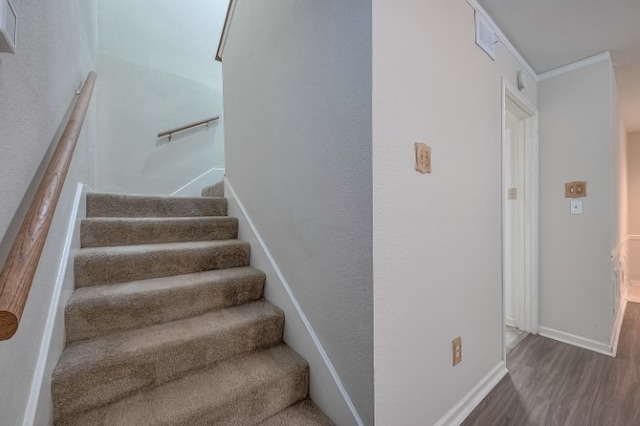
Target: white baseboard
x,y
511,322
470,401
572,339
39,405
194,188
617,326
326,388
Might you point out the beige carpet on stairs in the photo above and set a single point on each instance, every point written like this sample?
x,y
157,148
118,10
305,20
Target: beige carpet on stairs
x,y
168,325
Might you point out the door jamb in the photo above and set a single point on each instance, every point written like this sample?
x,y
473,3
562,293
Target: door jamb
x,y
531,202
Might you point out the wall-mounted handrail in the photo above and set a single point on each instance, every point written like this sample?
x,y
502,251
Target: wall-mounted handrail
x,y
187,127
225,30
19,269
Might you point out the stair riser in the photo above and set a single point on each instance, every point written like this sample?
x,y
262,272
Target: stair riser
x,y
116,378
110,205
257,405
97,233
259,400
97,317
122,267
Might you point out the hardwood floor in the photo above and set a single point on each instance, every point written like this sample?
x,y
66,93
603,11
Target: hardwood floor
x,y
551,383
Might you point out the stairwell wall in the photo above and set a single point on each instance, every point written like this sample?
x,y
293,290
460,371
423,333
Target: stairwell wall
x,y
437,237
156,59
297,83
55,51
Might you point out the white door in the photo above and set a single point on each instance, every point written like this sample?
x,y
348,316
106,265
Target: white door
x,y
519,212
514,261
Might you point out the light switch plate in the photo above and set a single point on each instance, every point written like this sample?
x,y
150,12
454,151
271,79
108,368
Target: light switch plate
x,y
576,206
576,189
423,157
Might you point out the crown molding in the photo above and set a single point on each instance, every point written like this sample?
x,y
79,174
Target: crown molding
x,y
600,57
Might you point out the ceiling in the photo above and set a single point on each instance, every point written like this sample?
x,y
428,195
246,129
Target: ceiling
x,y
553,33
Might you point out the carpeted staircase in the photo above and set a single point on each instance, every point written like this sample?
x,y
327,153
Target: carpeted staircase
x,y
168,325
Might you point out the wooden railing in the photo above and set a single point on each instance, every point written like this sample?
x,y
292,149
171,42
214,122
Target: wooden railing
x,y
19,269
171,132
225,30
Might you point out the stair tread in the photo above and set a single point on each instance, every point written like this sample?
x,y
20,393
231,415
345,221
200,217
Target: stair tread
x,y
106,265
96,371
119,205
237,391
304,413
105,348
96,310
115,231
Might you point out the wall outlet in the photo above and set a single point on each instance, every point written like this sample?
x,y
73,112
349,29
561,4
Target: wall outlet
x,y
456,347
423,157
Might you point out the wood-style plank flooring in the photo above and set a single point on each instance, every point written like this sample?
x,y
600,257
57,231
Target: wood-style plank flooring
x,y
551,383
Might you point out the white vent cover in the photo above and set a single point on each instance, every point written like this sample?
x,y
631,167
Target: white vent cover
x,y
485,36
8,27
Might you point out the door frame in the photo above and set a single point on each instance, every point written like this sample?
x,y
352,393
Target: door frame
x,y
531,208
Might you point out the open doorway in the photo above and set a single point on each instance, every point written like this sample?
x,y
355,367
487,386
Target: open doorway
x,y
519,217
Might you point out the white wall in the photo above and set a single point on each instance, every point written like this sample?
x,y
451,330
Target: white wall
x,y
437,237
633,182
297,83
578,141
157,67
56,49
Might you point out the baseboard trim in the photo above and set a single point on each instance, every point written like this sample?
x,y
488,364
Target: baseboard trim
x,y
572,339
617,326
195,187
511,322
43,356
230,192
470,401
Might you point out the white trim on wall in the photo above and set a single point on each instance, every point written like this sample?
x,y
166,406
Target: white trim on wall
x,y
325,397
194,188
604,56
44,362
470,401
503,38
529,271
572,339
617,327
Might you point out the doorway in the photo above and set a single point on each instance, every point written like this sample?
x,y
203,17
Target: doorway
x,y
519,217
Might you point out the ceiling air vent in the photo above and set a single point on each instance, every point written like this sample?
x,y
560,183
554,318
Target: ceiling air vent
x,y
485,36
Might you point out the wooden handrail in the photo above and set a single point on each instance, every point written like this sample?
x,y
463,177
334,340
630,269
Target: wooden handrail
x,y
225,30
186,127
19,269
